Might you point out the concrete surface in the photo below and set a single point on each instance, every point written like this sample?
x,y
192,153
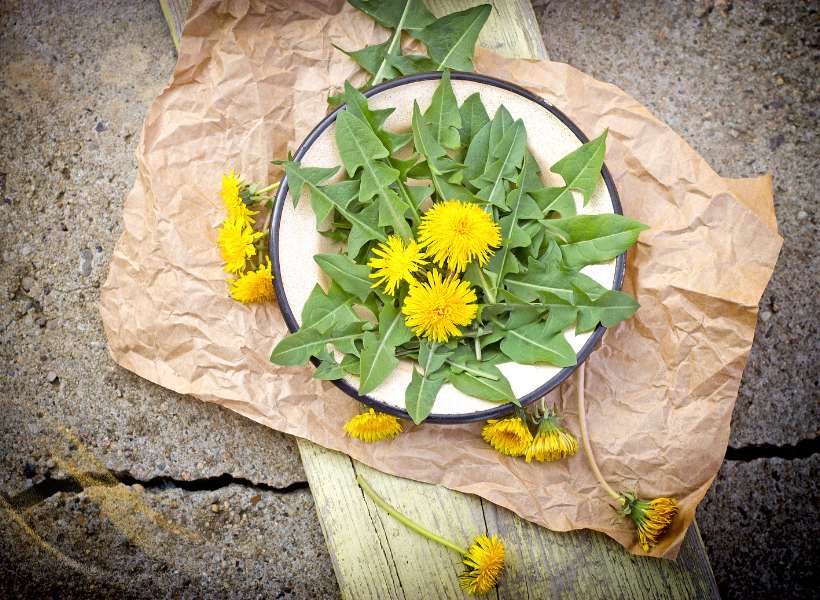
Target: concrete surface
x,y
740,83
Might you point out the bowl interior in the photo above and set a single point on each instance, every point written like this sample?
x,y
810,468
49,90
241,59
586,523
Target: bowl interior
x,y
549,139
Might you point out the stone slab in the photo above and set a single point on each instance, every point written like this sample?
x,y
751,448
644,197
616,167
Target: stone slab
x,y
77,78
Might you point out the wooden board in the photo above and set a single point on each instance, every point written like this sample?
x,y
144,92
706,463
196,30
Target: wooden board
x,y
375,558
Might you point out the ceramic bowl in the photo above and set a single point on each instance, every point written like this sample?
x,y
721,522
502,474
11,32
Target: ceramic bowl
x,y
294,240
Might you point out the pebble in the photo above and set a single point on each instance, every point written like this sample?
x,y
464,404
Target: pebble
x,y
85,262
214,508
138,487
27,283
802,215
765,315
51,377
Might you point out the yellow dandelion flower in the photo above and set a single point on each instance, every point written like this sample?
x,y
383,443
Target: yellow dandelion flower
x,y
254,286
373,427
484,559
435,309
652,518
551,441
232,184
455,233
509,436
395,262
485,563
236,239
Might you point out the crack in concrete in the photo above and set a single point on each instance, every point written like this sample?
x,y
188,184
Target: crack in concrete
x,y
39,492
802,449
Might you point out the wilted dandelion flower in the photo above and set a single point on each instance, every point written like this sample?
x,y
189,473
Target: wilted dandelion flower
x,y
510,436
254,286
236,244
371,426
652,518
551,441
485,563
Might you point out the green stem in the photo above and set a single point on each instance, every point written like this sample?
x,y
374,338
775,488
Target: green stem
x,y
377,78
412,525
485,285
582,421
270,188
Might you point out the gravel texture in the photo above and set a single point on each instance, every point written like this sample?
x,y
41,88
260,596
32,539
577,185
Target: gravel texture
x,y
738,80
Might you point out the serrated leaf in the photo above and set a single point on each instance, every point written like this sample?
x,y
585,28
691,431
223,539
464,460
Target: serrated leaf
x,y
592,239
351,364
360,148
420,395
410,15
401,15
610,309
505,159
410,64
324,311
432,356
299,176
521,206
443,115
529,345
473,117
328,368
299,346
451,39
351,277
538,279
581,170
478,152
492,390
357,105
437,163
555,200
379,352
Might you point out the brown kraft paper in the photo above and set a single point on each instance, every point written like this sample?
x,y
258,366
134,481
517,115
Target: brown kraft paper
x,y
250,83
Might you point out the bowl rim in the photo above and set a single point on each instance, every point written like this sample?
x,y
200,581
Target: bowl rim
x,y
344,384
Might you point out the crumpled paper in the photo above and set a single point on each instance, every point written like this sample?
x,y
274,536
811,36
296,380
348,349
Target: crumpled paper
x,y
250,83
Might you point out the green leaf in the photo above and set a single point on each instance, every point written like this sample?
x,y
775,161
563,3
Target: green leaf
x,y
555,200
473,117
479,156
529,345
359,148
299,176
521,206
299,346
432,356
451,39
420,395
610,309
412,15
351,277
595,238
581,170
351,364
504,160
438,163
357,105
379,352
443,115
410,64
374,58
541,278
492,390
326,311
328,368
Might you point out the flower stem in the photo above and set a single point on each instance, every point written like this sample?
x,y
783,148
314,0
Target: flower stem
x,y
270,188
582,420
412,525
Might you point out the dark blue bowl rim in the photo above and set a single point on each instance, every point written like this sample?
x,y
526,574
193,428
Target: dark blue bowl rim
x,y
343,384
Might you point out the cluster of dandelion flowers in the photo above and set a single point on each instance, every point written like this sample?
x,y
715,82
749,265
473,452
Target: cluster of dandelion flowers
x,y
234,205
510,436
652,518
436,308
236,243
455,233
551,442
254,286
395,262
371,426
